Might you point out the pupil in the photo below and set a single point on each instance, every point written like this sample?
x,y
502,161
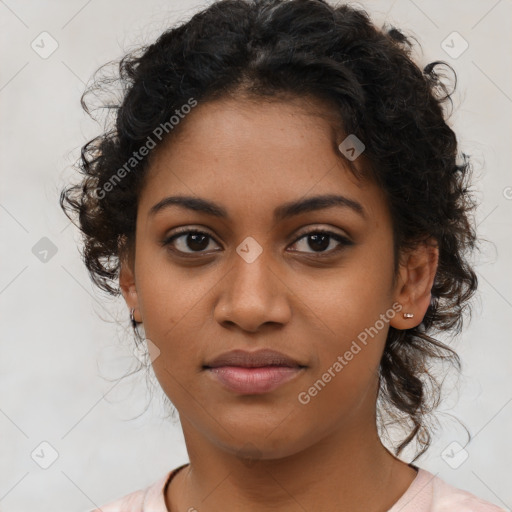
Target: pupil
x,y
194,244
322,238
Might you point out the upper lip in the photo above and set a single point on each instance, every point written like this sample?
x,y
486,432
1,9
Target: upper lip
x,y
259,358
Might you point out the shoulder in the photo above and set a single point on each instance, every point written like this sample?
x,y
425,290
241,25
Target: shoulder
x,y
132,502
430,493
447,498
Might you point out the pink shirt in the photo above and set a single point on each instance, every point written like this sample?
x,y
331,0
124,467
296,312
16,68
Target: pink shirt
x,y
427,493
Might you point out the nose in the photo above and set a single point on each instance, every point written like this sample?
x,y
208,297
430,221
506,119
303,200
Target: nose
x,y
253,294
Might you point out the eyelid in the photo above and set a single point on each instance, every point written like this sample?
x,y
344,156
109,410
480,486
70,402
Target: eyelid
x,y
304,231
320,229
191,228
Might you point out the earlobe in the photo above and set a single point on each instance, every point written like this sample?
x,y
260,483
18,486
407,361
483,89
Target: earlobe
x,y
414,284
127,285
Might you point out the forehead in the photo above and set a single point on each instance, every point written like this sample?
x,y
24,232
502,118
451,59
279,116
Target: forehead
x,y
254,156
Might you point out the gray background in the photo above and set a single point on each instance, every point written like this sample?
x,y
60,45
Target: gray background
x,y
64,345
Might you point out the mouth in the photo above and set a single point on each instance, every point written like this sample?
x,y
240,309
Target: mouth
x,y
257,359
252,373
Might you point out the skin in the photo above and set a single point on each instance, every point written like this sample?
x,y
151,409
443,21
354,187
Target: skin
x,y
251,157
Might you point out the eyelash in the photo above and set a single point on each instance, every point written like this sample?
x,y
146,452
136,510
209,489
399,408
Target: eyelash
x,y
343,241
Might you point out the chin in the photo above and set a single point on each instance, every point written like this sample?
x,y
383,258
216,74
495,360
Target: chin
x,y
268,443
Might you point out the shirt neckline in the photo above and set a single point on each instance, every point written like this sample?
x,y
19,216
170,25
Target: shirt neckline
x,y
154,499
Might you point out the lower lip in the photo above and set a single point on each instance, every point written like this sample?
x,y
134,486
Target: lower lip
x,y
253,380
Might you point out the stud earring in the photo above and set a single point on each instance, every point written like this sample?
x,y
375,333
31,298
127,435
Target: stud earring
x,y
408,315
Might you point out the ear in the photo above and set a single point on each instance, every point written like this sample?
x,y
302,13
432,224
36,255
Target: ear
x,y
127,285
413,287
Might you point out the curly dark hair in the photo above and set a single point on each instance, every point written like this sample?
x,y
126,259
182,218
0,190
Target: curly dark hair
x,y
297,48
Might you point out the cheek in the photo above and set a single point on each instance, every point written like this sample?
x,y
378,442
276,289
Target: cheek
x,y
352,297
169,295
166,300
354,304
343,382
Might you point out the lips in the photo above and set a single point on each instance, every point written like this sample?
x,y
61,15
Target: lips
x,y
257,359
250,373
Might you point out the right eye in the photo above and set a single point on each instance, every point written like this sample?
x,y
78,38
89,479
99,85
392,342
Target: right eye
x,y
193,239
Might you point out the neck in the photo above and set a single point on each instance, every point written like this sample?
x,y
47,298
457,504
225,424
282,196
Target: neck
x,y
347,470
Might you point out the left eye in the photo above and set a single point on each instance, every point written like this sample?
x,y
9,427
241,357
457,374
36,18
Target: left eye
x,y
320,241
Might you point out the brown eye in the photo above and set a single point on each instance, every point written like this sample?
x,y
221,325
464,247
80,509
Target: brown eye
x,y
189,241
319,241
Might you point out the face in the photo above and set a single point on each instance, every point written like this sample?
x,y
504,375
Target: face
x,y
314,282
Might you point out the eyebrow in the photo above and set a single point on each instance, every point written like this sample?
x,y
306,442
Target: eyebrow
x,y
285,211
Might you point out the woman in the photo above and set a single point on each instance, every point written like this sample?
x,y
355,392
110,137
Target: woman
x,y
282,206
